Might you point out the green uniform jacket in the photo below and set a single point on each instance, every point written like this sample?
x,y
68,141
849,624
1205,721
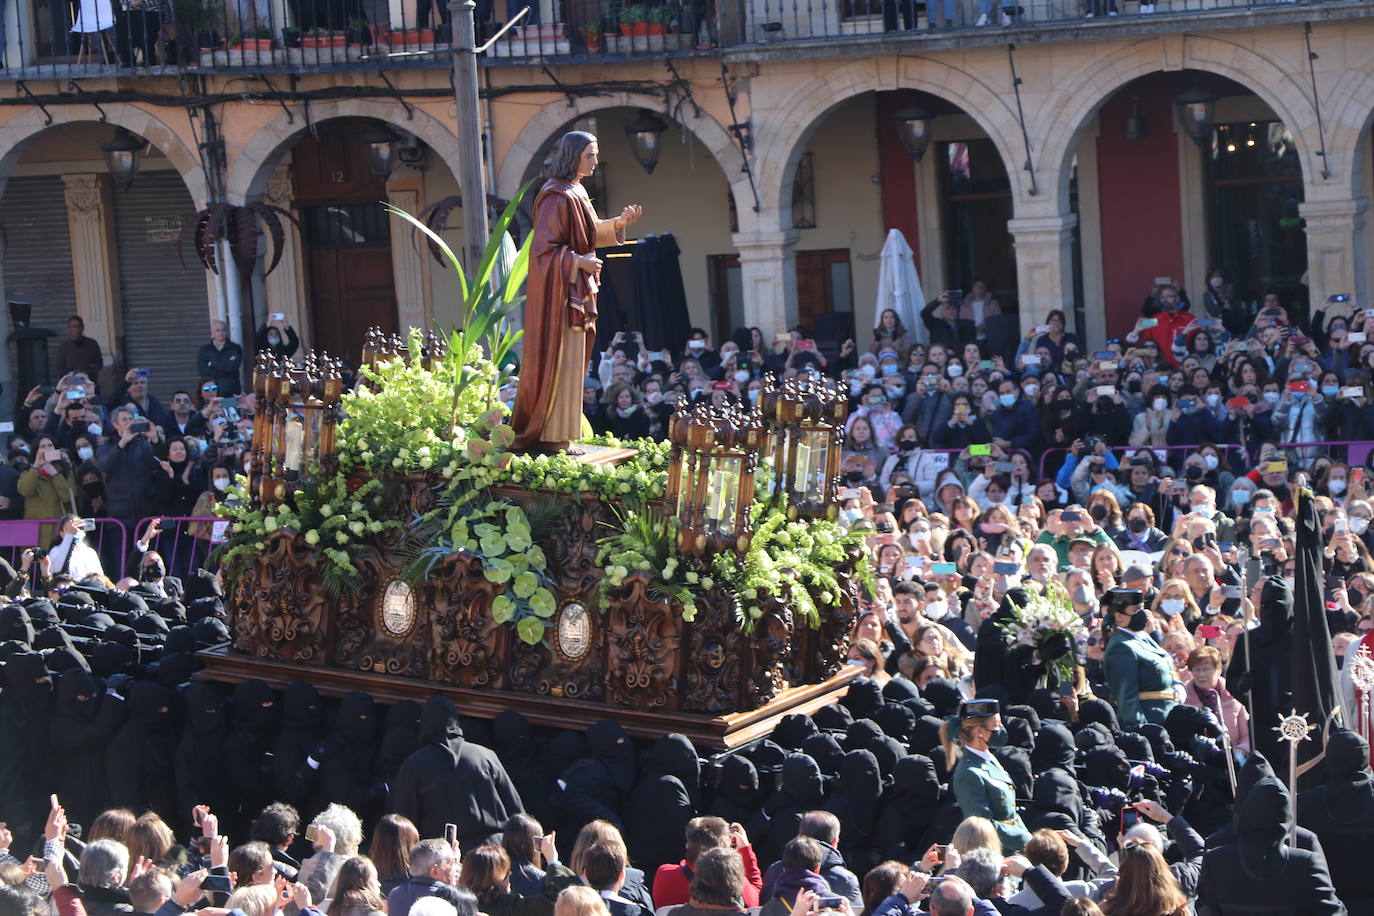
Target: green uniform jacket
x,y
983,789
1136,664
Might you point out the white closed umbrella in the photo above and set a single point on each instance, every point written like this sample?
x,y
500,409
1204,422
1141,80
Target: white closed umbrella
x,y
899,287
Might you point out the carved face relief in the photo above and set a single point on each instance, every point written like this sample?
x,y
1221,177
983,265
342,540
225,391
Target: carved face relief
x,y
397,609
574,631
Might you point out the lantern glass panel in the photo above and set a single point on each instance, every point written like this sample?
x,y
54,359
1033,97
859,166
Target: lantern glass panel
x,y
315,423
724,495
295,444
818,446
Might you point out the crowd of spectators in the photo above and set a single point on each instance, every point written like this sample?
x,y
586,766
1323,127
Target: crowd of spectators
x,y
1128,773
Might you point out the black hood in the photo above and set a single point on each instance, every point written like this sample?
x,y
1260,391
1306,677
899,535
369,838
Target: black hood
x,y
1136,747
210,632
27,681
914,782
15,624
42,613
1056,792
1019,733
72,686
834,719
110,658
887,751
1100,711
1184,723
301,707
925,737
1046,704
864,698
1093,735
1275,612
738,780
860,734
827,753
1016,762
565,748
206,712
1107,768
256,710
1347,756
356,721
793,730
400,737
439,723
1162,746
900,689
801,779
944,695
150,708
607,742
180,641
1054,747
511,735
896,721
858,792
1028,713
674,755
1262,823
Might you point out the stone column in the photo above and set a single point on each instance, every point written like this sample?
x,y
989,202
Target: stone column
x,y
95,270
768,273
409,252
1044,264
1335,246
286,285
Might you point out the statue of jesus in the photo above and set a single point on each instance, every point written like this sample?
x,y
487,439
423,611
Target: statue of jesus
x,y
560,298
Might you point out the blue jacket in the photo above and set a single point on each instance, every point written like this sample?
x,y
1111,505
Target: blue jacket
x,y
1018,424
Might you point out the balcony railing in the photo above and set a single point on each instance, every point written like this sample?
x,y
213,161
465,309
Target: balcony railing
x,y
74,38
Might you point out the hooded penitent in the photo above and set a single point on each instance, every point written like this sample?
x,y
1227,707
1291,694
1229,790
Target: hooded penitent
x,y
139,757
855,803
736,798
663,801
800,789
302,729
529,767
903,831
25,767
1266,675
1341,814
83,721
201,776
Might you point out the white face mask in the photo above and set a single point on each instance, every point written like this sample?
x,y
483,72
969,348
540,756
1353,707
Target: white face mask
x,y
85,453
95,429
1211,462
1335,486
1216,282
1031,390
1160,404
935,610
1213,400
1171,606
1358,524
221,483
742,376
654,397
955,370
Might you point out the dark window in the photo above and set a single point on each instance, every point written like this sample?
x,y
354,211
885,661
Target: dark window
x,y
345,225
977,196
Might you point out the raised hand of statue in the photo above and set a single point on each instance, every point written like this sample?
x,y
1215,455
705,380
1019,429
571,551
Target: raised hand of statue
x,y
630,215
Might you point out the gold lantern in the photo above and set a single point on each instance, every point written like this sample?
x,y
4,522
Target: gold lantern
x,y
711,476
805,419
295,431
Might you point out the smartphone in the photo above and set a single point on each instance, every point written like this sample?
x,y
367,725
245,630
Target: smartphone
x,y
851,493
230,403
1301,340
142,373
1006,568
75,394
1357,475
140,426
1164,281
985,364
1110,365
1226,546
806,345
1369,313
914,562
451,834
1104,354
88,524
830,901
1187,403
944,569
1004,467
961,409
1357,336
1042,329
1276,467
1129,818
1205,322
1148,323
1071,515
312,833
1030,359
1105,391
979,451
1341,297
1065,689
1340,526
1271,544
1208,631
1238,402
1230,591
882,540
217,884
956,298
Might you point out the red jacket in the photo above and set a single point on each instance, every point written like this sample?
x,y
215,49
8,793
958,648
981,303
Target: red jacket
x,y
672,883
1163,334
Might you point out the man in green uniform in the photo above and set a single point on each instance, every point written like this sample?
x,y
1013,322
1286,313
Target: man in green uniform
x,y
1139,672
981,786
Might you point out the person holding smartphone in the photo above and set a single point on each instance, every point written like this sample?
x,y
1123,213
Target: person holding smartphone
x,y
277,337
130,466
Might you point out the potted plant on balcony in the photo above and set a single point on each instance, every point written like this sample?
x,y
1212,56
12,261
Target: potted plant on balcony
x,y
591,37
324,38
259,40
291,37
639,19
358,32
410,38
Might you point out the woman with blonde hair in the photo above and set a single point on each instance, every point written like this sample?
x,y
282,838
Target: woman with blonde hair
x,y
604,833
1171,561
113,824
150,838
1144,885
255,900
982,787
1175,603
975,833
580,901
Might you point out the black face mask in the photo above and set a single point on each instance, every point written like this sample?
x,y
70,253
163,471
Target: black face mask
x,y
906,445
1137,525
854,478
1098,512
1139,621
153,571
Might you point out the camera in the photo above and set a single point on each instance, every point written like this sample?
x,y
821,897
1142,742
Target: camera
x,y
140,426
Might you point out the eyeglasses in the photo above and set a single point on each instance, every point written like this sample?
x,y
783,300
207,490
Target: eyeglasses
x,y
209,388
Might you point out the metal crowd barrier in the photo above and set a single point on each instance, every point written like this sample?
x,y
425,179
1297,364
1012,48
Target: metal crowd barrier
x,y
187,542
16,536
1357,450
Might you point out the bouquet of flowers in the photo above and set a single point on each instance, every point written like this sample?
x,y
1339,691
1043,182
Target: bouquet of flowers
x,y
1048,624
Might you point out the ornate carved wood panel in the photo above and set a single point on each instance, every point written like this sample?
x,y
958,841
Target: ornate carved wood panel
x,y
381,627
772,637
466,646
281,610
715,656
643,639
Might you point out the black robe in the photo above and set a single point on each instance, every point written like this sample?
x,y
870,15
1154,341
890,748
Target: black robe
x,y
302,730
452,781
84,719
1341,814
801,790
248,755
1268,675
663,801
525,763
736,798
26,763
856,804
1259,872
201,775
596,786
138,760
904,829
345,773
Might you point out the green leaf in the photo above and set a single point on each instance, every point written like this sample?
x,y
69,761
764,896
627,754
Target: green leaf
x,y
502,609
530,630
525,584
517,541
498,232
486,530
542,602
519,269
494,546
437,240
498,571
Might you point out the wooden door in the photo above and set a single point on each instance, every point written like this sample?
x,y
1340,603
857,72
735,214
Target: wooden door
x,y
823,285
351,290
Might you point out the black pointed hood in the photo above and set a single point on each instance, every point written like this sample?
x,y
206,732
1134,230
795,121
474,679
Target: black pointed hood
x,y
944,695
78,696
801,779
302,708
860,734
256,710
793,730
512,737
27,681
896,721
206,708
1262,823
15,624
674,755
738,780
607,742
914,782
827,753
1054,747
439,725
864,698
1275,612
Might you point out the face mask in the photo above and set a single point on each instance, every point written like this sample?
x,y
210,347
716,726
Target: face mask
x,y
1213,400
753,395
1172,606
998,738
855,387
95,429
1358,525
1272,397
625,412
955,370
220,483
1160,404
1137,525
1031,390
906,445
916,538
850,516
273,340
1215,282
935,610
1290,582
1300,395
1098,512
153,571
85,453
896,391
1006,400
654,397
1082,595
1331,391
742,376
1211,462
1139,621
1335,486
867,370
889,369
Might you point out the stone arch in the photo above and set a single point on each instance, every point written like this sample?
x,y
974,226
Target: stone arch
x,y
253,166
537,131
1348,130
1065,114
19,132
808,104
